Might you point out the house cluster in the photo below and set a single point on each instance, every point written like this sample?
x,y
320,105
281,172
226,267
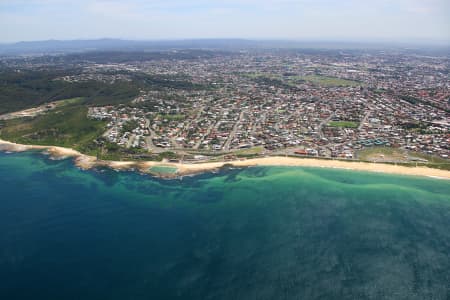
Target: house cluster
x,y
126,127
287,102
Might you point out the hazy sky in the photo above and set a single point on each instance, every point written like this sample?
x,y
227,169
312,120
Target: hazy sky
x,y
391,20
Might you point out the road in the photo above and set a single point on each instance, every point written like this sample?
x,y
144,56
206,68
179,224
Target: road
x,y
149,139
324,122
226,146
364,119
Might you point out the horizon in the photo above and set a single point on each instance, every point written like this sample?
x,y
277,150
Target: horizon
x,y
294,42
407,21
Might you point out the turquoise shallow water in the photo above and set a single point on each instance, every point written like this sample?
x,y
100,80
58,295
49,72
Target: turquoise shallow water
x,y
256,233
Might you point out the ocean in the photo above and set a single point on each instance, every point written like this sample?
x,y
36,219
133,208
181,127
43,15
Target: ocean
x,y
253,233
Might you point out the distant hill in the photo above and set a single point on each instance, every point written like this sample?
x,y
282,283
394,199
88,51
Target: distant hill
x,y
73,46
76,46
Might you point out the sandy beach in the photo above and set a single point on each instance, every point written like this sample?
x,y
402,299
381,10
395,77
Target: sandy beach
x,y
84,161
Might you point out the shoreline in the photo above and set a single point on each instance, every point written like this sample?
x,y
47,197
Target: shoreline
x,y
86,162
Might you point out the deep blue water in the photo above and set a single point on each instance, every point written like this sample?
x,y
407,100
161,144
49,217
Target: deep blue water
x,y
256,233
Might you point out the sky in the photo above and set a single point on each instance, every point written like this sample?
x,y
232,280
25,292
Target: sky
x,y
318,20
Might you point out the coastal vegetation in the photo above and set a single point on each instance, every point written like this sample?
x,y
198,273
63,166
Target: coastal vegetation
x,y
30,88
66,126
108,151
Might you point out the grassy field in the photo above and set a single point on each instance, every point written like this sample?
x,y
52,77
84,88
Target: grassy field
x,y
66,126
172,117
329,81
346,124
382,154
402,157
250,151
433,161
64,102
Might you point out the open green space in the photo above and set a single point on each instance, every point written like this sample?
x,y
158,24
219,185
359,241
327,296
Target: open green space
x,y
402,157
31,88
433,160
172,117
329,81
76,100
388,153
66,126
249,151
26,89
346,124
